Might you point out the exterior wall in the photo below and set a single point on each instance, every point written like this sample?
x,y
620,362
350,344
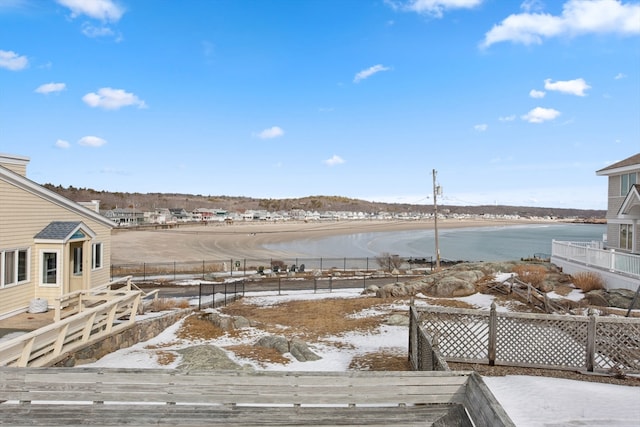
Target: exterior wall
x,y
23,214
615,201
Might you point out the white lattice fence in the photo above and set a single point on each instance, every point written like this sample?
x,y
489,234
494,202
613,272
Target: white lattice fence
x,y
532,340
552,341
462,336
616,347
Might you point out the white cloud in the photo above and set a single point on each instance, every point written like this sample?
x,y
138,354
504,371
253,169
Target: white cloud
x,y
578,17
620,76
92,31
91,141
481,127
270,133
539,115
12,61
50,88
364,74
433,8
112,99
334,160
507,118
532,5
537,93
60,143
104,10
571,87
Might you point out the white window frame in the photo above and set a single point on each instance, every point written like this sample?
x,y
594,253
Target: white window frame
x,y
628,229
16,265
626,186
58,268
97,262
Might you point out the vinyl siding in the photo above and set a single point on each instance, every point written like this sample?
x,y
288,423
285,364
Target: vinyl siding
x,y
22,215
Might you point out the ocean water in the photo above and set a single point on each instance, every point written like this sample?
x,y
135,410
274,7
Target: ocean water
x,y
465,244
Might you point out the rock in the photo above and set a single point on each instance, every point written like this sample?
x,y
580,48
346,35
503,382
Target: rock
x,y
301,352
206,358
240,322
597,298
392,290
397,320
622,298
452,287
280,344
296,347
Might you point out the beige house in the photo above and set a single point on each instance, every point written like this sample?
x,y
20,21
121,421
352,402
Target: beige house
x,y
623,207
49,245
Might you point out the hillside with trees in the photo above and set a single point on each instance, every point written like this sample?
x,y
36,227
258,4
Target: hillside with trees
x,y
150,201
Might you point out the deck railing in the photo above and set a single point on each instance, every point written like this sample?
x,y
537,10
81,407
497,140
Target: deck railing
x,y
591,254
114,310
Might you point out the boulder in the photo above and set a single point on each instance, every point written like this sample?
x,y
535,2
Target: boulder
x,y
280,344
206,358
452,287
397,320
301,352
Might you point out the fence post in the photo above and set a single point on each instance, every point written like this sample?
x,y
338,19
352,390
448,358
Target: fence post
x,y
591,340
315,285
174,270
200,296
493,335
202,269
330,283
279,288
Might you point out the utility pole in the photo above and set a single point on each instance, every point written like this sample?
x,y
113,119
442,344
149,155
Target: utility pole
x,y
436,190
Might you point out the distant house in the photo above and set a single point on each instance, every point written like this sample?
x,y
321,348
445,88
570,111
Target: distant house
x,y
49,245
180,215
623,207
125,217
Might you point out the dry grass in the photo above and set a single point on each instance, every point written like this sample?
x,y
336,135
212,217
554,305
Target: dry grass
x,y
587,281
163,304
533,274
260,355
381,361
311,319
196,328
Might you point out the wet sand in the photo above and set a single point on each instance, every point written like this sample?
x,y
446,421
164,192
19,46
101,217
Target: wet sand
x,y
246,240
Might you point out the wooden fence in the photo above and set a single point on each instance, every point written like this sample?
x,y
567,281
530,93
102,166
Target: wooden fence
x,y
590,343
93,314
71,396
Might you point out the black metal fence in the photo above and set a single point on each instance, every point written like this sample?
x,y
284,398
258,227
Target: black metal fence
x,y
206,269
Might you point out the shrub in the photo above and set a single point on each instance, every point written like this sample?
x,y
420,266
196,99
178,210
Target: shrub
x,y
532,274
163,304
587,281
389,262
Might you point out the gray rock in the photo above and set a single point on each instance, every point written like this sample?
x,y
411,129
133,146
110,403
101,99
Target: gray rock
x,y
240,322
301,351
206,358
452,287
397,320
280,344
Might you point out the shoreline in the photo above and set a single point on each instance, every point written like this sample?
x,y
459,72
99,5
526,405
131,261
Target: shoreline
x,y
247,240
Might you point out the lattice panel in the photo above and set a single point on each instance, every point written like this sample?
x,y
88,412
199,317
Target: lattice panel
x,y
617,346
459,336
548,342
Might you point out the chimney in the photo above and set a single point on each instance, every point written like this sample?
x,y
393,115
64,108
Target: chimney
x,y
17,164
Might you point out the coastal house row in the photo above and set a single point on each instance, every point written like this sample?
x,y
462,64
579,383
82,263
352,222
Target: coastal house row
x,y
49,245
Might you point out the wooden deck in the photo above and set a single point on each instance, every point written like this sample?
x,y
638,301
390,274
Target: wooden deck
x,y
88,396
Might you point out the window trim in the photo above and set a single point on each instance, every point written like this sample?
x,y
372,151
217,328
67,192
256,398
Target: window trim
x,y
41,270
97,256
17,271
626,181
628,240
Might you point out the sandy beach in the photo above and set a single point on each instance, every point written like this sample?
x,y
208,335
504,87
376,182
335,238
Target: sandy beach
x,y
246,240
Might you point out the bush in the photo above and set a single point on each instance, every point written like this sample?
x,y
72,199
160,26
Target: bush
x,y
587,281
389,262
532,274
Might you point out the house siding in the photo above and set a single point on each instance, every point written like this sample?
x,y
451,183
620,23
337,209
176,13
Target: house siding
x,y
23,214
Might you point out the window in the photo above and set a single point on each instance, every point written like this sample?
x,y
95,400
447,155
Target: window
x,y
49,268
626,182
626,236
77,261
14,265
96,256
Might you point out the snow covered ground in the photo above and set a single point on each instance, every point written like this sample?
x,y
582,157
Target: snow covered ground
x,y
529,401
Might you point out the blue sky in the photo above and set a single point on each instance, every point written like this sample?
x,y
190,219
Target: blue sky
x,y
514,103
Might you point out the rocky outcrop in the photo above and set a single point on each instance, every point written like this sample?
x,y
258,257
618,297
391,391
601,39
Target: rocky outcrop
x,y
206,358
296,347
619,298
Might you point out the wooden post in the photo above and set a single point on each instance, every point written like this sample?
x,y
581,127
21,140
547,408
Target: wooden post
x,y
493,335
591,341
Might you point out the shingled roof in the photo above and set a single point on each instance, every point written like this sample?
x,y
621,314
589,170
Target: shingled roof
x,y
59,230
630,161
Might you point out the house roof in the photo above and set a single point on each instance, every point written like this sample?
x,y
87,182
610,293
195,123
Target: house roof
x,y
621,166
63,230
51,196
631,202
